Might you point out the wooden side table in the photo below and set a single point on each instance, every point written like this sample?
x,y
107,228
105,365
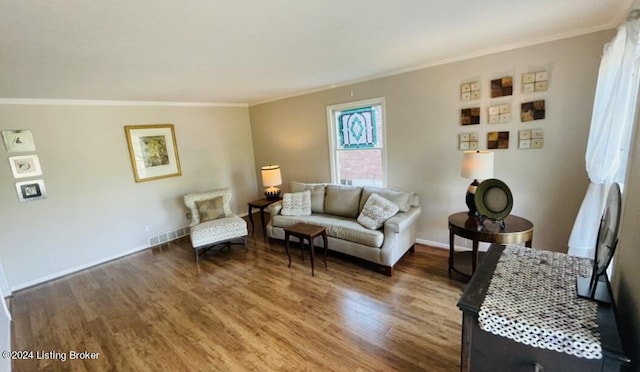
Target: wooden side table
x,y
517,229
261,204
305,231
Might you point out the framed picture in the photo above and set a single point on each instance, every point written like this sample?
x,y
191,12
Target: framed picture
x,y
153,151
31,190
18,140
25,166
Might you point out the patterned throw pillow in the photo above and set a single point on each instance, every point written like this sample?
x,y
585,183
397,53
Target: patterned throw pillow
x,y
376,211
296,204
210,209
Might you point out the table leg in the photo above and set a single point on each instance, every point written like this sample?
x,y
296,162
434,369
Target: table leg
x,y
301,242
451,252
324,240
286,246
253,228
474,256
311,248
264,229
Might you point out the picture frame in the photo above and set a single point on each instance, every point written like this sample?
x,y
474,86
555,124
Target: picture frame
x,y
153,151
25,166
31,190
20,140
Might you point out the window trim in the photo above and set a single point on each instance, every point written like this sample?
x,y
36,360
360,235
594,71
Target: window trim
x,y
333,161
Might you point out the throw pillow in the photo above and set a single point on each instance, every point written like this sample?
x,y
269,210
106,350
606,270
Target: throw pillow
x,y
342,200
317,194
210,209
296,204
401,198
376,211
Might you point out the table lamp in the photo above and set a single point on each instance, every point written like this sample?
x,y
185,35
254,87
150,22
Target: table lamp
x,y
475,165
270,179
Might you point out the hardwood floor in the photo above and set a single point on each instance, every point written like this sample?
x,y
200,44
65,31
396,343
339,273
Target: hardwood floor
x,y
243,309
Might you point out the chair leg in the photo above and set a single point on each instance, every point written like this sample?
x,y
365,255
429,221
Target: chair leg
x,y
244,242
195,252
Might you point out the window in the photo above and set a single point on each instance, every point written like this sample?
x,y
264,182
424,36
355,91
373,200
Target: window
x,y
356,133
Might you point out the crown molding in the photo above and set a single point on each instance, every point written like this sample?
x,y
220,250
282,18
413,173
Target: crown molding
x,y
89,102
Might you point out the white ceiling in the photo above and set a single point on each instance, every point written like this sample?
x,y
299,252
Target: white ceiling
x,y
248,51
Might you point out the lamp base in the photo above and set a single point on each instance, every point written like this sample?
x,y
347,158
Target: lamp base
x,y
272,193
470,198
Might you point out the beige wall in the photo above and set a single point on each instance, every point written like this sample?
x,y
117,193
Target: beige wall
x,y
422,116
94,209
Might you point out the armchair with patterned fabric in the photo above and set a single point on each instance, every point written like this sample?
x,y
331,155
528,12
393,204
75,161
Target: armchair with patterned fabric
x,y
212,222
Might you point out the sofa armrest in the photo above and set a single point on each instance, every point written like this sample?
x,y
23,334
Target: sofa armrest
x,y
274,209
401,220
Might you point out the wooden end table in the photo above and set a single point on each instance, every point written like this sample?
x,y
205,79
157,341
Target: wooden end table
x,y
516,230
305,231
261,204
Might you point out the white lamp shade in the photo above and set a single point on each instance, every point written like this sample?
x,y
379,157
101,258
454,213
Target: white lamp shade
x,y
477,165
271,176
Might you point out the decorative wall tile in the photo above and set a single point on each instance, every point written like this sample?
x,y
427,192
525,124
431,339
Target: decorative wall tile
x,y
502,87
500,113
470,91
535,82
470,116
468,141
531,138
534,110
498,140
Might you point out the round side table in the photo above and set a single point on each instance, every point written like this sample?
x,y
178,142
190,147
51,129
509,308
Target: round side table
x,y
516,230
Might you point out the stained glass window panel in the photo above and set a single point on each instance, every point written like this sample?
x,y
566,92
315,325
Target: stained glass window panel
x,y
357,128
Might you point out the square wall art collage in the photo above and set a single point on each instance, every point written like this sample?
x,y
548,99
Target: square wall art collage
x,y
500,112
24,166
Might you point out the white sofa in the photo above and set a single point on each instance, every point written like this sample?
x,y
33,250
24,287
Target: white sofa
x,y
337,208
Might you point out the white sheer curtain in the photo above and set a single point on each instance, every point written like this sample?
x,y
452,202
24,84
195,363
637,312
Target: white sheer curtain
x,y
611,127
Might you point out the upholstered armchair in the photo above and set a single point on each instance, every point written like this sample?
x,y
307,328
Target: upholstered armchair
x,y
212,222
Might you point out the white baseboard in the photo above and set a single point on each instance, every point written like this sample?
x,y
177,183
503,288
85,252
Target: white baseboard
x,y
60,274
435,244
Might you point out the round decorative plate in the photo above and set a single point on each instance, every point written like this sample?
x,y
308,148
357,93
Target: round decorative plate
x,y
493,199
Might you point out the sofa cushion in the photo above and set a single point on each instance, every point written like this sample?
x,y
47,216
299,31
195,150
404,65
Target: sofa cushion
x,y
337,227
342,201
317,194
296,204
402,199
376,211
210,209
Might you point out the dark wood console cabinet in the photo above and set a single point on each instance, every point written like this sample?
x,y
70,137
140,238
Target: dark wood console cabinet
x,y
484,351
